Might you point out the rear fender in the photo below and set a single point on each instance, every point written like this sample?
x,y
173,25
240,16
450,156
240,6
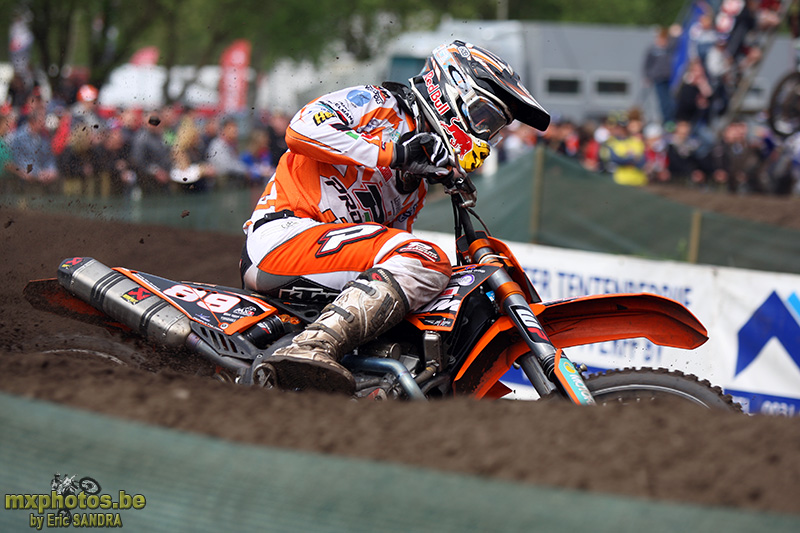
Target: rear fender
x,y
48,295
609,317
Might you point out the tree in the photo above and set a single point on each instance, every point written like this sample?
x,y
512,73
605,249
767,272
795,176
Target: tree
x,y
102,34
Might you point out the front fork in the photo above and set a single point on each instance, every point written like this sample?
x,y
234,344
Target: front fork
x,y
544,365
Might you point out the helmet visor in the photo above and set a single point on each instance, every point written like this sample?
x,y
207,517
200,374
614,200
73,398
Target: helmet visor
x,y
483,116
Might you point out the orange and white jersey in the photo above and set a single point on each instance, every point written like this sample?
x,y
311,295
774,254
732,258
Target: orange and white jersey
x,y
337,165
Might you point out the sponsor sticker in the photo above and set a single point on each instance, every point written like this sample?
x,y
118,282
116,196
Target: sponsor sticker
x,y
421,249
359,97
134,296
466,279
69,263
322,116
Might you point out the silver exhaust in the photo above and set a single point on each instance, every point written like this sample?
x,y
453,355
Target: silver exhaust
x,y
124,300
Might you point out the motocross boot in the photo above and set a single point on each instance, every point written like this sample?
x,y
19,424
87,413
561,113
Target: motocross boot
x,y
366,307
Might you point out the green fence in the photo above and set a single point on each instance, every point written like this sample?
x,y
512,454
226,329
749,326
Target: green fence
x,y
553,200
219,211
539,197
195,483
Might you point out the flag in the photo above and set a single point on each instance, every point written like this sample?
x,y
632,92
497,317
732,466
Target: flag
x,y
233,85
147,56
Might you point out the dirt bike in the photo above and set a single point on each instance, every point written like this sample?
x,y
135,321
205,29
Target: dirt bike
x,y
488,319
783,111
784,105
69,487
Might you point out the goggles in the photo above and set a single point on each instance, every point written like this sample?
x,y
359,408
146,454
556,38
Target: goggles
x,y
484,117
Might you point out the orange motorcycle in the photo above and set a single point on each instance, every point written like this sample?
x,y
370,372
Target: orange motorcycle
x,y
488,319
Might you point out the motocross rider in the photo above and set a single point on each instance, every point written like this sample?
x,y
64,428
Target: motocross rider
x,y
337,214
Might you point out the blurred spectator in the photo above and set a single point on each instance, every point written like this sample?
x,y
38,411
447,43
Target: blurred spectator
x,y
34,161
170,116
210,130
589,152
66,93
719,69
736,162
657,69
76,164
190,172
780,168
792,145
20,41
518,139
569,140
623,154
745,42
258,157
686,162
655,154
744,23
131,121
694,94
113,162
635,122
278,122
223,154
702,35
7,178
34,102
150,157
18,91
561,137
84,111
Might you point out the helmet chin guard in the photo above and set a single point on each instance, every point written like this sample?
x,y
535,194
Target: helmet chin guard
x,y
467,95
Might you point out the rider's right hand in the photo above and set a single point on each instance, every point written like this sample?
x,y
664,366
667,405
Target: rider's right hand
x,y
421,153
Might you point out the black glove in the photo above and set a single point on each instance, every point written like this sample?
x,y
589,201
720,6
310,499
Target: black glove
x,y
421,153
407,182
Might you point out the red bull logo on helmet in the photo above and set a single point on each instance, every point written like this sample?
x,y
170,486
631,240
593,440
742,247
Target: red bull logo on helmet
x,y
435,92
471,152
459,138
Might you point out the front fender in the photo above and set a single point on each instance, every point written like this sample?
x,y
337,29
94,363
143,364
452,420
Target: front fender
x,y
608,317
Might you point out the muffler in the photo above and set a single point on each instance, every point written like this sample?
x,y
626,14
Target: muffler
x,y
124,300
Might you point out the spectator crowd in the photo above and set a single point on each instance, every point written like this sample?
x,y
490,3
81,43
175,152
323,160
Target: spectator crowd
x,y
69,144
72,145
693,141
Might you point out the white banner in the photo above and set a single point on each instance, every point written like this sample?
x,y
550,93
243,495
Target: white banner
x,y
752,317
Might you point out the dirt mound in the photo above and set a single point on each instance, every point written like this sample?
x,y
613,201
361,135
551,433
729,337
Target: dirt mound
x,y
684,454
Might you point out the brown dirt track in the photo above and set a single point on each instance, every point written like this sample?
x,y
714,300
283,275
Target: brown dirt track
x,y
685,455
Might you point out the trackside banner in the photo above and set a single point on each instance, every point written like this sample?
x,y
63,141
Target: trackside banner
x,y
752,317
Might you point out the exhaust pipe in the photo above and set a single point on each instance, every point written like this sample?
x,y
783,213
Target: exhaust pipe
x,y
124,300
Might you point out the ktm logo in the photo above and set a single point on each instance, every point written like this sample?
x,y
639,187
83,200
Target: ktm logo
x,y
775,319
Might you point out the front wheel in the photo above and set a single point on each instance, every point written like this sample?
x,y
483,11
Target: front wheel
x,y
784,105
89,485
653,385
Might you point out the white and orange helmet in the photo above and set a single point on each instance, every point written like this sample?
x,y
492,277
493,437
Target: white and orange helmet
x,y
468,95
